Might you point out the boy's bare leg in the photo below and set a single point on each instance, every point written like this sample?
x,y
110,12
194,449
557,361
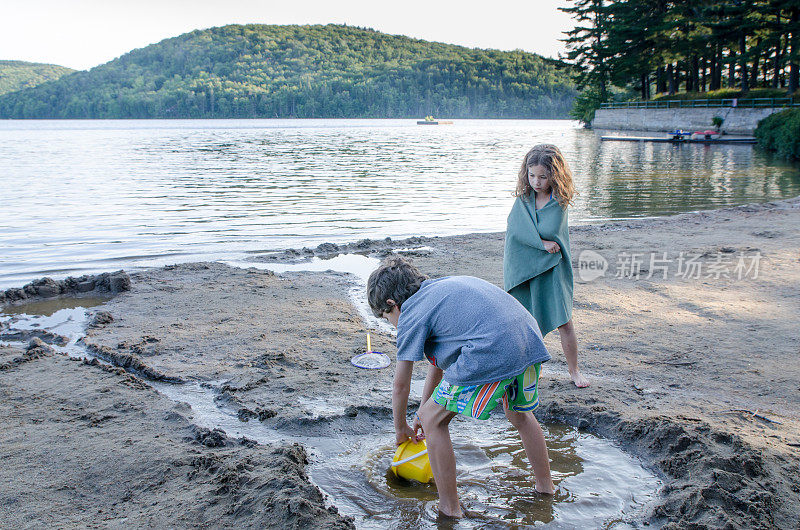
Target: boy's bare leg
x,y
569,343
535,447
436,425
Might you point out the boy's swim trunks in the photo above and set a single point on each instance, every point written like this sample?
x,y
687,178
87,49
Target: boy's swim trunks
x,y
519,393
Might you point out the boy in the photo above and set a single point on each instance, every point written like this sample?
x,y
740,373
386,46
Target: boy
x,y
484,348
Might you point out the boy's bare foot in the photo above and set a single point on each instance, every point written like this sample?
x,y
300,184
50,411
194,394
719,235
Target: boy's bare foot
x,y
546,491
579,380
458,513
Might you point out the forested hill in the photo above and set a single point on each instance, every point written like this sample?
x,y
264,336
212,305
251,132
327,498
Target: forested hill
x,y
16,75
304,72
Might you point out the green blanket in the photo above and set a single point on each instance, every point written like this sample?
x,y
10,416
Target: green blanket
x,y
541,281
525,256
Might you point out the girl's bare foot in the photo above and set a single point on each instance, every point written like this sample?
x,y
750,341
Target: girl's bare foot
x,y
579,380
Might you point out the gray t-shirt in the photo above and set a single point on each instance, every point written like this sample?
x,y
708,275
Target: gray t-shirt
x,y
473,330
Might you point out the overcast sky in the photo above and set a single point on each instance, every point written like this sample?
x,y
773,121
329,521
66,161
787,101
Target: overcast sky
x,y
84,33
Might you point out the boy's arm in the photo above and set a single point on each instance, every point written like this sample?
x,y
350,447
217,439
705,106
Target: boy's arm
x,y
400,390
431,380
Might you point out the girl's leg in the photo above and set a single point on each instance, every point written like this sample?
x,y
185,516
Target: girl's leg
x,y
535,447
436,425
569,343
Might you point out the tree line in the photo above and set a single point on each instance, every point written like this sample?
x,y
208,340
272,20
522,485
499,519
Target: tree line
x,y
663,46
333,71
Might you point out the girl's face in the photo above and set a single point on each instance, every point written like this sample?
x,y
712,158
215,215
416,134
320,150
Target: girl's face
x,y
539,179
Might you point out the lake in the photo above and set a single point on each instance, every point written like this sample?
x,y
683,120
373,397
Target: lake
x,y
98,195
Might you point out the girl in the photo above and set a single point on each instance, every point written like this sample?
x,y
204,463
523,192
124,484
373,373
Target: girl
x,y
537,268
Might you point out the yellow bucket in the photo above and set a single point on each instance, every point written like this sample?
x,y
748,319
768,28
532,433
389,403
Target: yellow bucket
x,y
411,462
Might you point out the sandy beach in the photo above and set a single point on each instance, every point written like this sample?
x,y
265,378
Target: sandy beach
x,y
689,337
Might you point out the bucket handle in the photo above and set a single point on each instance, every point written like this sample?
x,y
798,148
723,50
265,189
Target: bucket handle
x,y
410,458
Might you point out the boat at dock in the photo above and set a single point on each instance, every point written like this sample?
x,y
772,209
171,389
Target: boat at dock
x,y
680,140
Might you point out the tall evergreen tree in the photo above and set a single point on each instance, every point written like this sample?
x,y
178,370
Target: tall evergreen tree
x,y
587,44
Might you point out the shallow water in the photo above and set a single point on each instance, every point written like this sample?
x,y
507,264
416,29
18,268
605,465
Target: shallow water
x,y
99,195
597,483
50,306
66,316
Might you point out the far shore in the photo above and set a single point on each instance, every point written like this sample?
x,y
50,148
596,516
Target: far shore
x,y
687,329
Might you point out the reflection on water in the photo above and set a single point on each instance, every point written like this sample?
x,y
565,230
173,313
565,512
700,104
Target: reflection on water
x,y
634,179
98,195
65,316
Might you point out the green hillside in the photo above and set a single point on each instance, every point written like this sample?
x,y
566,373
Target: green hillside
x,y
304,72
16,75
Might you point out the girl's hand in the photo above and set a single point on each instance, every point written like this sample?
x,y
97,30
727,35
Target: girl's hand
x,y
551,246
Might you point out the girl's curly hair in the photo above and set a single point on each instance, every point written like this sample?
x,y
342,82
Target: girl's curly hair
x,y
550,157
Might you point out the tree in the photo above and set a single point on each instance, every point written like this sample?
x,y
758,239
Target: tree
x,y
587,44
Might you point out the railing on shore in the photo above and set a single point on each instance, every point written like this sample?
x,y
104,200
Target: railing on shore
x,y
693,103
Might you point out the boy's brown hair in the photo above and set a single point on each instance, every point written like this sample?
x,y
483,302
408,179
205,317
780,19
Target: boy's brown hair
x,y
396,279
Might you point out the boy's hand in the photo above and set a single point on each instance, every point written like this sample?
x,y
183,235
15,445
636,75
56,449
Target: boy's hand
x,y
416,426
400,390
402,434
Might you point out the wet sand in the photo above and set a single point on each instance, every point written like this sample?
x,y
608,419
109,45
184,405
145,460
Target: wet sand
x,y
88,446
697,376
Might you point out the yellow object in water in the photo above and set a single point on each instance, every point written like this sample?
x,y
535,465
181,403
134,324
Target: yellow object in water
x,y
411,462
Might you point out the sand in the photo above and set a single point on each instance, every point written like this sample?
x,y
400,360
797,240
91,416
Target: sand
x,y
83,446
697,376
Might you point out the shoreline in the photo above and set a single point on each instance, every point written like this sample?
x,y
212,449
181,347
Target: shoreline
x,y
67,284
696,376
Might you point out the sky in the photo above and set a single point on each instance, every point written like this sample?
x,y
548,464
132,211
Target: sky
x,y
81,34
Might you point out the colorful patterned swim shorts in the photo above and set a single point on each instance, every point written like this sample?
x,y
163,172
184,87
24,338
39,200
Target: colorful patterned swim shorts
x,y
519,393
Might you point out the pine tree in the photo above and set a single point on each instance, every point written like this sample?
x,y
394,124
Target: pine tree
x,y
587,44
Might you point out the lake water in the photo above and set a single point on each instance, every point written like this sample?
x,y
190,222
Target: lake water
x,y
91,196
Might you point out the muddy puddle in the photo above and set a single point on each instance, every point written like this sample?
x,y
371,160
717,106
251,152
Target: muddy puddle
x,y
61,322
48,307
598,484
